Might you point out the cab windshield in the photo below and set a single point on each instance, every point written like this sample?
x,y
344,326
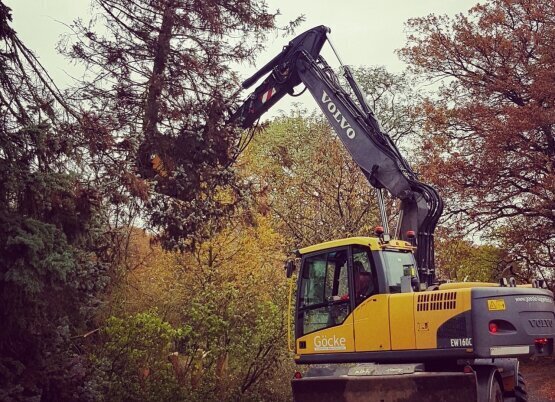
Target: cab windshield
x,y
397,265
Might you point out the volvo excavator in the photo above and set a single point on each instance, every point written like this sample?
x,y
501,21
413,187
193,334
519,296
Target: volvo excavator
x,y
371,321
370,318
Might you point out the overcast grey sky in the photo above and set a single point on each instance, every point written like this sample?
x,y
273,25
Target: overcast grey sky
x,y
365,32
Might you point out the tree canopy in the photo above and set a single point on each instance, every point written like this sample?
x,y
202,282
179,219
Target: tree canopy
x,y
490,147
159,81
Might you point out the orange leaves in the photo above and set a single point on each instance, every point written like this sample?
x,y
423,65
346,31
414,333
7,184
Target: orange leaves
x,y
137,187
490,134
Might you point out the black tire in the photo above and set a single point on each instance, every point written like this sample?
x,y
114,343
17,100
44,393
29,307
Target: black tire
x,y
520,390
488,387
496,392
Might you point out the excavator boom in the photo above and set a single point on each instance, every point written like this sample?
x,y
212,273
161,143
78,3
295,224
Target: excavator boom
x,y
373,151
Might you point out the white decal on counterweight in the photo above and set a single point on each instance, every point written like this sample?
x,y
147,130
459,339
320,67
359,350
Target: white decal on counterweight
x,y
461,342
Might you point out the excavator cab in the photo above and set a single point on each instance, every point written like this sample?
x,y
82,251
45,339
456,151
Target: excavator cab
x,y
344,287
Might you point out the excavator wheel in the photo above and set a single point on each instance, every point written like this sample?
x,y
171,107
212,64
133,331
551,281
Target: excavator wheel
x,y
488,384
496,393
520,390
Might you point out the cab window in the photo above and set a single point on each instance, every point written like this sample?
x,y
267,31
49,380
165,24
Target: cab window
x,y
397,265
324,291
364,276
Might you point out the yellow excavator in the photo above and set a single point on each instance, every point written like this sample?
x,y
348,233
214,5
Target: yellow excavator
x,y
371,321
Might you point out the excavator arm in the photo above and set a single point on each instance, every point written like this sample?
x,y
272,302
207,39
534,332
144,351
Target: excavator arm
x,y
353,121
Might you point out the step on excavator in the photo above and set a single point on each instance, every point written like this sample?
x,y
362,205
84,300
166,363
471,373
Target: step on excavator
x,y
371,321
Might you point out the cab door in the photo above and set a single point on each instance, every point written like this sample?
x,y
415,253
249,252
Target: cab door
x,y
371,313
324,323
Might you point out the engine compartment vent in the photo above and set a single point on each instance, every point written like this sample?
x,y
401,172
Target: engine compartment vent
x,y
437,301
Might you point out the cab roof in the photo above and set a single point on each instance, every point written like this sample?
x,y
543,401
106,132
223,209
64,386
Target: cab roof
x,y
373,243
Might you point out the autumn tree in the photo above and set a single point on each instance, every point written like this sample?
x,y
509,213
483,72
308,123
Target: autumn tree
x,y
238,303
224,305
131,360
53,265
302,176
307,180
491,143
395,100
459,259
159,81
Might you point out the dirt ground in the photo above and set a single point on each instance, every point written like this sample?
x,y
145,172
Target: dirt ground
x,y
539,376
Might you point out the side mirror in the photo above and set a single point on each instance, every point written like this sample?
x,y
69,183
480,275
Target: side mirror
x,y
414,282
409,281
289,268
